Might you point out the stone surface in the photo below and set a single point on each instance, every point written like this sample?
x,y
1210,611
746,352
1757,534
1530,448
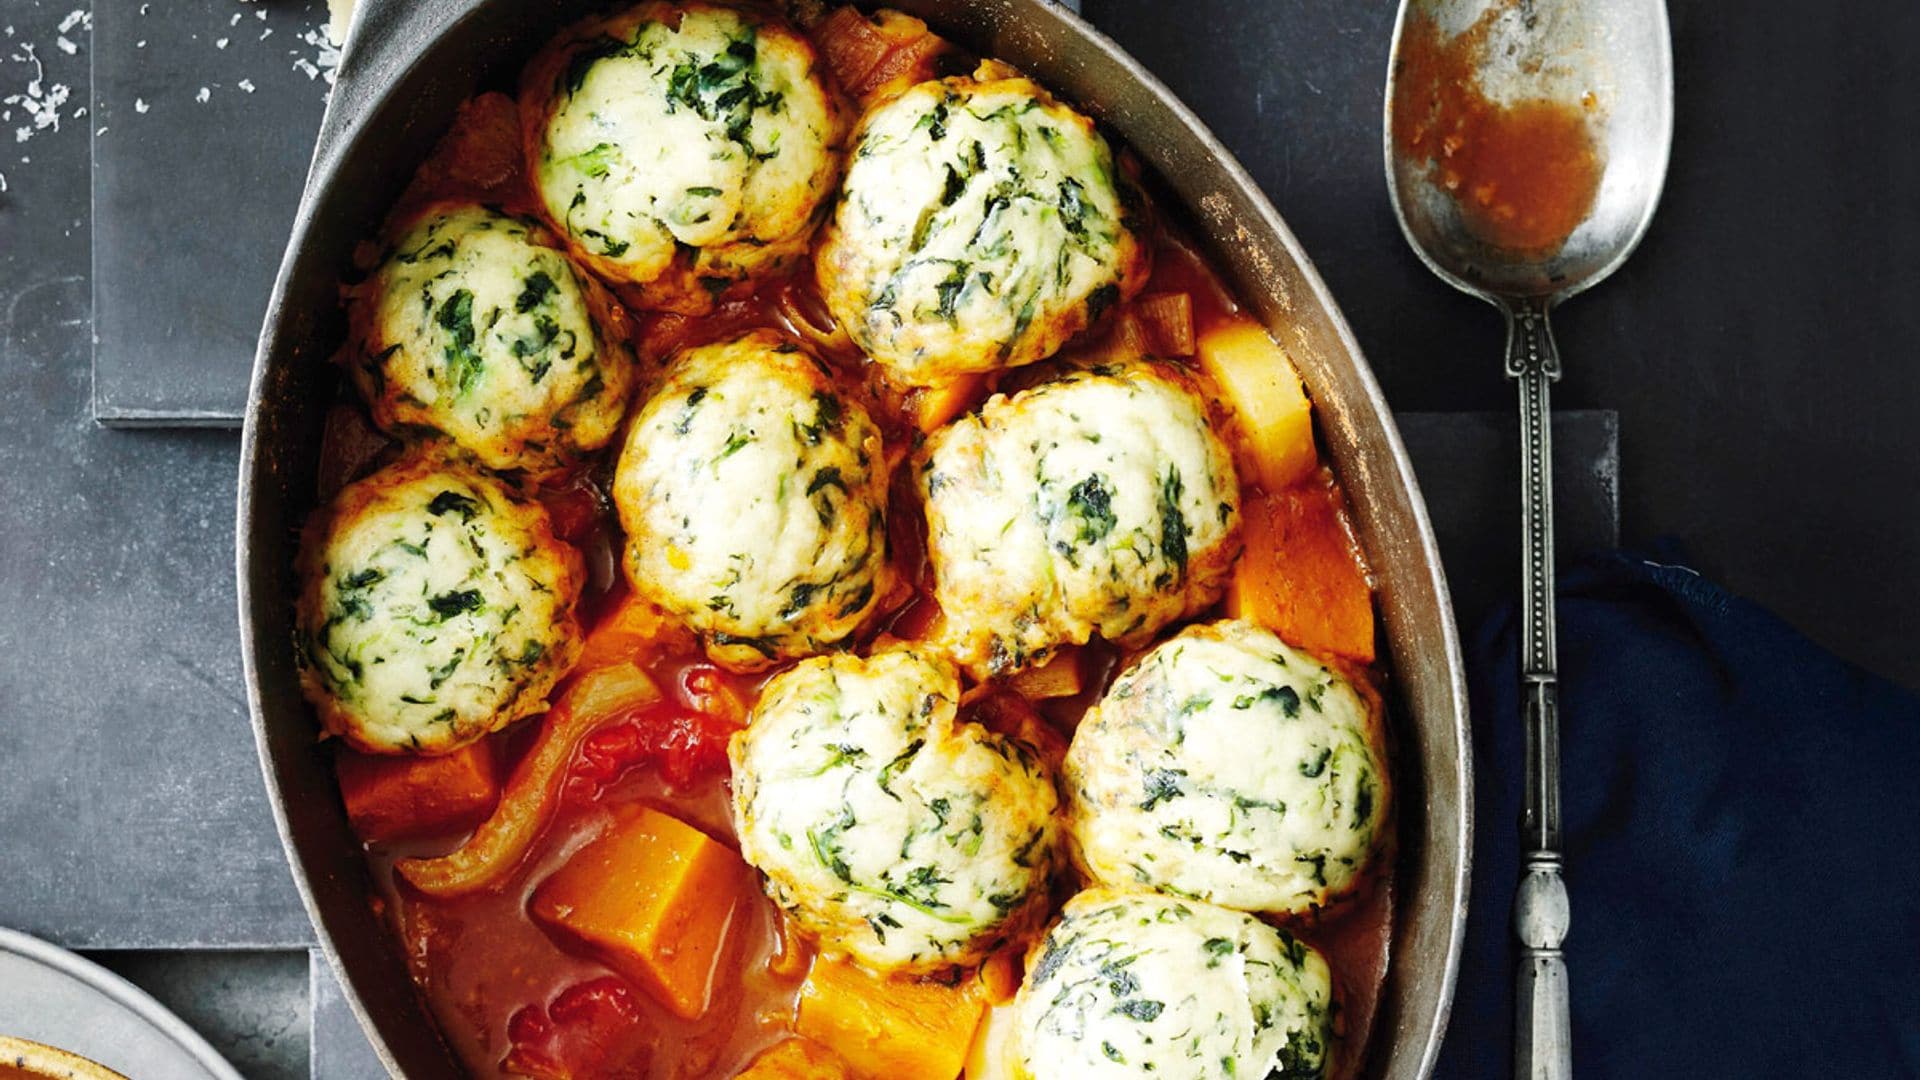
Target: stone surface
x,y
201,185
340,1048
136,816
251,1006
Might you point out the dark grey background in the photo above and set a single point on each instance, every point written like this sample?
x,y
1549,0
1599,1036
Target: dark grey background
x,y
1763,345
1758,351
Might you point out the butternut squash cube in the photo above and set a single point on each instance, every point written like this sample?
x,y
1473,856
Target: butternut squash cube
x,y
932,406
1302,576
654,898
403,797
796,1059
633,630
890,1027
1262,387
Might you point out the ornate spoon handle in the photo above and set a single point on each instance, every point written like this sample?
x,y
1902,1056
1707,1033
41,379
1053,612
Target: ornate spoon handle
x,y
1543,1042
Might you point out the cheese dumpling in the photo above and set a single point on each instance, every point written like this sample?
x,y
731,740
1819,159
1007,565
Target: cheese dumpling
x,y
477,327
754,493
681,147
886,826
1228,766
1101,502
982,225
435,607
1130,984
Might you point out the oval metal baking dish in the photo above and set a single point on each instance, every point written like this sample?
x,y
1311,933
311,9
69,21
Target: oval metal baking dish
x,y
411,64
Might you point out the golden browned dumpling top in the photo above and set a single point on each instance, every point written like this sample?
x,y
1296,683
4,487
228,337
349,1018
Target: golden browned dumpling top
x,y
982,225
890,828
435,607
754,495
1228,766
682,147
1101,502
476,327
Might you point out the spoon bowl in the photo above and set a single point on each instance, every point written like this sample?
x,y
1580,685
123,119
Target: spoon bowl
x,y
1611,60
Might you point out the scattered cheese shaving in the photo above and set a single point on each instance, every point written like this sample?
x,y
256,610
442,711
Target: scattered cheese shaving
x,y
41,101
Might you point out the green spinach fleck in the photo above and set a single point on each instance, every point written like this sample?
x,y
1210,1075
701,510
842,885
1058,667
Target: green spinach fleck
x,y
456,602
456,318
452,502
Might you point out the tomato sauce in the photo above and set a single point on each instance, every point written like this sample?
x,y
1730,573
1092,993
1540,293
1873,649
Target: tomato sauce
x,y
1524,174
513,999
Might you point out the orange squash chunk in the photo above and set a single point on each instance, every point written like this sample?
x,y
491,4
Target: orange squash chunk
x,y
633,631
400,797
890,1027
1260,385
796,1059
1302,576
654,898
931,407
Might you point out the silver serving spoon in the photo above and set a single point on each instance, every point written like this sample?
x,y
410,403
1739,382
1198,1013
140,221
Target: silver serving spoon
x,y
1526,145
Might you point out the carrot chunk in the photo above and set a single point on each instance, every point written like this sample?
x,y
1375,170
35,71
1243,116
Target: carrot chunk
x,y
1302,576
890,1027
796,1059
401,797
654,898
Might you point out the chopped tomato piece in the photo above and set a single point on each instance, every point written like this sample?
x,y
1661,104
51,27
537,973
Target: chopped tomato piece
x,y
590,1029
685,744
709,690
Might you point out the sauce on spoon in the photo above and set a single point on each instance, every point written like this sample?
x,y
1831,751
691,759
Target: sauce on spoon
x,y
1523,174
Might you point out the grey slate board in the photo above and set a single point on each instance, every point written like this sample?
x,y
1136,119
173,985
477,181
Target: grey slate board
x,y
192,200
133,814
251,1006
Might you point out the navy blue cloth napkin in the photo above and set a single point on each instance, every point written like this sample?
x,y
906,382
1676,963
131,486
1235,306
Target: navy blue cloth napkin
x,y
1742,815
